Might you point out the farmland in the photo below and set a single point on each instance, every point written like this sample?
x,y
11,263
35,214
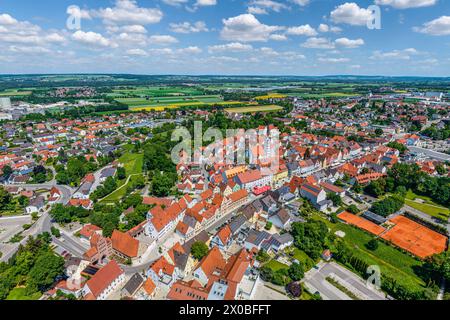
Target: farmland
x,y
14,93
257,108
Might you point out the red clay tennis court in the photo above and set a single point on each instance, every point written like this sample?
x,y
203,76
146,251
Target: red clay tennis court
x,y
415,238
361,223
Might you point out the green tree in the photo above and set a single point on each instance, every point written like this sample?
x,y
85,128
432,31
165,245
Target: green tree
x,y
296,271
199,250
44,272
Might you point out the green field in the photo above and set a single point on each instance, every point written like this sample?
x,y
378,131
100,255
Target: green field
x,y
428,206
165,101
155,92
251,109
392,262
14,93
19,294
275,265
133,164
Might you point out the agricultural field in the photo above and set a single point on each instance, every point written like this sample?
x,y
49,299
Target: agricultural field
x,y
14,93
165,101
144,92
251,109
162,107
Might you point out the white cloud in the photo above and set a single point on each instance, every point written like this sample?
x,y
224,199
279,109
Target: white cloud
x,y
91,38
333,60
163,39
28,49
301,3
405,4
6,19
175,2
348,43
246,28
350,13
278,37
137,52
326,28
190,50
204,3
128,12
305,30
257,10
395,54
318,43
187,27
230,47
268,5
437,27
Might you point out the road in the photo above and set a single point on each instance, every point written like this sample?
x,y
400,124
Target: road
x,y
44,223
430,153
315,280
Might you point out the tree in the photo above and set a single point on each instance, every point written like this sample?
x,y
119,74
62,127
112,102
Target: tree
x,y
296,271
199,250
378,132
161,184
121,173
44,272
400,147
295,289
55,231
335,198
353,209
372,245
7,171
268,225
5,198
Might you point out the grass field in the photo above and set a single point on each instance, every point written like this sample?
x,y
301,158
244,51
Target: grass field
x,y
252,109
184,104
275,265
19,294
428,206
14,93
164,101
155,92
392,262
133,164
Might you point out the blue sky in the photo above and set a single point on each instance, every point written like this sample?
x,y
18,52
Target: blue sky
x,y
254,37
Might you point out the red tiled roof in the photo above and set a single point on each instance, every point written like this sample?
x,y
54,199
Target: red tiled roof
x,y
125,244
104,277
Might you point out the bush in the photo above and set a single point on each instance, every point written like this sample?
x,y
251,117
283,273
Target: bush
x,y
295,289
372,245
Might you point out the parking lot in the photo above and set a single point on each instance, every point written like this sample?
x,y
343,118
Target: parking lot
x,y
10,226
316,281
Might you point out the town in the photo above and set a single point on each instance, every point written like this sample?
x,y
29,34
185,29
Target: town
x,y
92,207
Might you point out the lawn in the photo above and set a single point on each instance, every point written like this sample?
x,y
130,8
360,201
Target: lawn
x,y
19,294
275,265
392,261
133,164
252,109
428,206
303,258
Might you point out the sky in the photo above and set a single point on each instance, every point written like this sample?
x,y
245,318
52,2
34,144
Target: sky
x,y
226,37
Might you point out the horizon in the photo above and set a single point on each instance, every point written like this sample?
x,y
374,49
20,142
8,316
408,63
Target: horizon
x,y
216,37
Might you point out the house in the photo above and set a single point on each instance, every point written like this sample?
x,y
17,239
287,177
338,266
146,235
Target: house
x,y
208,265
132,286
84,203
255,239
106,173
251,179
326,255
88,231
191,290
280,219
101,248
162,272
223,238
35,205
161,221
104,282
316,195
55,195
124,245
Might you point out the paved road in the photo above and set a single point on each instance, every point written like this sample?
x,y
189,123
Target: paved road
x,y
316,281
430,153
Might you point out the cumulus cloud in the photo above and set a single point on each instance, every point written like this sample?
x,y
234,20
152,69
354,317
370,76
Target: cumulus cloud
x,y
334,60
405,4
318,43
91,38
350,13
137,52
326,28
395,54
128,12
436,27
305,30
187,27
230,47
348,43
190,50
246,28
163,39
